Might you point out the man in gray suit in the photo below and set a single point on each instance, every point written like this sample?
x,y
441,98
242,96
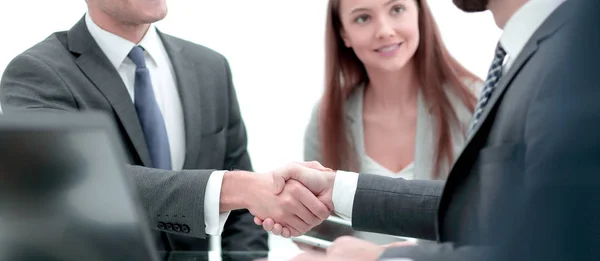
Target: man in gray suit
x,y
178,117
535,133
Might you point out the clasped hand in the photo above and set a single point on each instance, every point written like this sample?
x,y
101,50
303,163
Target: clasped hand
x,y
300,199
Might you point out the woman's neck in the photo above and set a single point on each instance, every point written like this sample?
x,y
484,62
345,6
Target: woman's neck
x,y
392,91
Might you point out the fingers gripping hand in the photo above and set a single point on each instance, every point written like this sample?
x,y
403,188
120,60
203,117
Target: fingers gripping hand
x,y
309,174
296,209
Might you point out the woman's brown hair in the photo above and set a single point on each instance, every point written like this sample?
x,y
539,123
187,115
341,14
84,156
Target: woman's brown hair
x,y
436,69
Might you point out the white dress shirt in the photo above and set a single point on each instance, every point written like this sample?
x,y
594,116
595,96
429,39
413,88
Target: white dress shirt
x,y
522,25
517,31
167,97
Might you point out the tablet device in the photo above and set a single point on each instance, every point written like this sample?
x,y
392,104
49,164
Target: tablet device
x,y
64,194
312,241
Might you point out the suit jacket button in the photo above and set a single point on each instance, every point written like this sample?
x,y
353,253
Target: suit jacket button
x,y
177,228
161,225
169,226
185,229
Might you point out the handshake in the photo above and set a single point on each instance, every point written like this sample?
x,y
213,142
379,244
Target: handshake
x,y
288,201
292,200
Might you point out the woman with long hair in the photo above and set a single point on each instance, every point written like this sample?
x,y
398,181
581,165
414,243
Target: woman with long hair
x,y
395,103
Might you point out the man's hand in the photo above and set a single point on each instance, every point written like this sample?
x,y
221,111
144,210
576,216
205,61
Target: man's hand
x,y
318,179
294,207
346,248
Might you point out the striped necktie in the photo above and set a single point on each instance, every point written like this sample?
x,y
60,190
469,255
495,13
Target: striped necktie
x,y
493,77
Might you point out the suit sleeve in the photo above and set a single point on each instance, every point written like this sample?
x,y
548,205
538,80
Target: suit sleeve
x,y
30,83
176,197
240,233
396,206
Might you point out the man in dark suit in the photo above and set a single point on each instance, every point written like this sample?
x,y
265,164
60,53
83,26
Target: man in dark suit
x,y
534,134
178,116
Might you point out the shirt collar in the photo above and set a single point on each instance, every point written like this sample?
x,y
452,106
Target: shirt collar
x,y
523,24
117,48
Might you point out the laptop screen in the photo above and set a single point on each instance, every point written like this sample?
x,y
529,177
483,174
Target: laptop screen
x,y
63,193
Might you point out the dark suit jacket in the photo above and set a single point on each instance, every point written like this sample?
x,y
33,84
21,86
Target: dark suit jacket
x,y
69,72
539,134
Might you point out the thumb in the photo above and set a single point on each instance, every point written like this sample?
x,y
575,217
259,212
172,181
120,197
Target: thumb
x,y
280,176
312,179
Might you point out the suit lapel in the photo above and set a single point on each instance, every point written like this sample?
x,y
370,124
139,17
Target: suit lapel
x,y
94,64
505,81
187,74
554,21
424,140
354,126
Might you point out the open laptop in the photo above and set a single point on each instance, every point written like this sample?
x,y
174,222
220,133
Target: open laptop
x,y
63,192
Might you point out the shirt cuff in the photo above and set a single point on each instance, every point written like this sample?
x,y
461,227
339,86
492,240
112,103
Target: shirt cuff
x,y
214,221
344,189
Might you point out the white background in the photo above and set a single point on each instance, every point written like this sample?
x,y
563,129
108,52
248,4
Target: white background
x,y
275,49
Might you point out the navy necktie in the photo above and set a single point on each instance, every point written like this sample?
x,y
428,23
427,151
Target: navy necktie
x,y
493,77
149,114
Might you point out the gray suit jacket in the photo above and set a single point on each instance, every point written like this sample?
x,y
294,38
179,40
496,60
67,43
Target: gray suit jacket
x,y
539,129
69,72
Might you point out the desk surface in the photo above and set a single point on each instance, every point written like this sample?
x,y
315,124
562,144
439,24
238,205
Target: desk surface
x,y
228,256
